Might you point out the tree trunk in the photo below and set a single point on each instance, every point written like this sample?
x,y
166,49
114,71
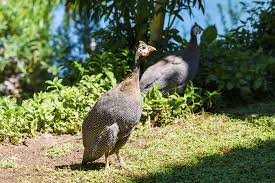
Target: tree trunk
x,y
157,23
142,23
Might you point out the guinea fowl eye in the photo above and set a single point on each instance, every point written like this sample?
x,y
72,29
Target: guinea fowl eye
x,y
143,47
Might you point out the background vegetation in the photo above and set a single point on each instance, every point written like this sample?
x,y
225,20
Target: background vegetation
x,y
221,130
238,66
27,58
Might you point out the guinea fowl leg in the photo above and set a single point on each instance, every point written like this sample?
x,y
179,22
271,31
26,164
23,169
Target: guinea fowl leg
x,y
107,166
120,160
85,156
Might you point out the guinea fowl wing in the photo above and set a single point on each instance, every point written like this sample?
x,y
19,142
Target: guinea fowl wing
x,y
167,72
112,118
98,119
175,70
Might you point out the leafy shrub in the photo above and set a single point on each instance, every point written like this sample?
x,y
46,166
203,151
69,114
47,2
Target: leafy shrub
x,y
261,19
160,110
243,72
114,66
60,110
233,68
27,54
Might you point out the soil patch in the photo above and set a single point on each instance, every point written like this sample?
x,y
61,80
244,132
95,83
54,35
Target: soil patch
x,y
35,152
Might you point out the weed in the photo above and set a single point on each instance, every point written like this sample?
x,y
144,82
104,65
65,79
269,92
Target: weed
x,y
4,164
59,150
160,110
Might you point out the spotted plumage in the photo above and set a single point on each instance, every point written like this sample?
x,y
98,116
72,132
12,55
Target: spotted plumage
x,y
109,124
176,69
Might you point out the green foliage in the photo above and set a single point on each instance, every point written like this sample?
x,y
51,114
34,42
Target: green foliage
x,y
232,66
242,63
209,35
5,164
257,31
60,110
24,32
261,19
115,66
133,22
59,150
63,108
244,72
160,110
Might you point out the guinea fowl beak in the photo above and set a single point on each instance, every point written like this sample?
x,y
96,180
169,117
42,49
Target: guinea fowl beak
x,y
151,49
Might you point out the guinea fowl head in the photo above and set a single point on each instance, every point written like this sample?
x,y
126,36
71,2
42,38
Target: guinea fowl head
x,y
144,50
196,29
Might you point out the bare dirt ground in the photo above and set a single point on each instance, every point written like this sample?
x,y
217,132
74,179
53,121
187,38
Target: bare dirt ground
x,y
33,161
34,152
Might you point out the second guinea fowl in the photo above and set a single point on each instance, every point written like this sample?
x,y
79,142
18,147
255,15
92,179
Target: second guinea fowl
x,y
109,124
175,70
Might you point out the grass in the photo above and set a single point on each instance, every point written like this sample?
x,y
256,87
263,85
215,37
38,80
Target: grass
x,y
5,164
237,145
59,150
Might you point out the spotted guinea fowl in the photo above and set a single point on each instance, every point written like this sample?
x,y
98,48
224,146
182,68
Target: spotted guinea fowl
x,y
174,70
111,121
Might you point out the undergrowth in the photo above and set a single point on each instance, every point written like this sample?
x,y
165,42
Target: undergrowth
x,y
160,110
62,109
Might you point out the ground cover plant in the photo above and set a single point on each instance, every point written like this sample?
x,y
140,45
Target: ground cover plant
x,y
62,109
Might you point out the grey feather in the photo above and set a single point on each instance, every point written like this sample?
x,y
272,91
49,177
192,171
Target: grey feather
x,y
174,70
109,124
111,121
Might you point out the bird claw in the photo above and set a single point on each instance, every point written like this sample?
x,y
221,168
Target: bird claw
x,y
120,160
83,163
122,164
107,167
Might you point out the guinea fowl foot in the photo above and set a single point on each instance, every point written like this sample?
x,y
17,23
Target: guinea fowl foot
x,y
84,163
85,159
120,160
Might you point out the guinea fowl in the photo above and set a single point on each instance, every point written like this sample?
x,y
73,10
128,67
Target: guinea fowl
x,y
175,70
109,124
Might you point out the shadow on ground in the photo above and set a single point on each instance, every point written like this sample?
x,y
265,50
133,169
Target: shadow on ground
x,y
238,165
80,167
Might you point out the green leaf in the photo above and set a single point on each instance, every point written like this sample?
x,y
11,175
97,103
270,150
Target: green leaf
x,y
257,83
229,85
245,91
177,38
212,77
209,35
